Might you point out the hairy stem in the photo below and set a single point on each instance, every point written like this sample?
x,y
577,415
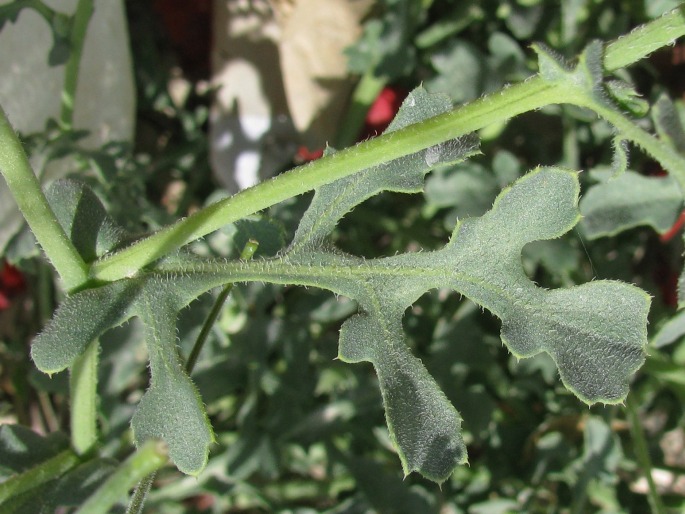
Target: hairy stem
x,y
140,493
645,39
671,160
510,102
26,190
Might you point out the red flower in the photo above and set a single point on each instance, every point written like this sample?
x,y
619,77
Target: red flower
x,y
11,283
304,154
383,110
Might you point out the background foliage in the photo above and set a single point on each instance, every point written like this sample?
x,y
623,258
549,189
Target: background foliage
x,y
299,431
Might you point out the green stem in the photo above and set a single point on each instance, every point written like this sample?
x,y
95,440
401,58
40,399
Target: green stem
x,y
49,470
510,102
80,21
645,39
47,12
26,190
151,456
83,393
671,160
16,6
247,253
50,418
140,493
642,454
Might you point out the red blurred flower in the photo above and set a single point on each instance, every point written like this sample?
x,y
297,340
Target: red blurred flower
x,y
383,110
379,116
304,154
11,283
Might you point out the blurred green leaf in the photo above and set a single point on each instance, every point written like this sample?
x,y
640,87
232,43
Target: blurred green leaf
x,y
497,506
461,71
385,48
628,201
671,331
387,492
522,18
468,188
667,123
21,448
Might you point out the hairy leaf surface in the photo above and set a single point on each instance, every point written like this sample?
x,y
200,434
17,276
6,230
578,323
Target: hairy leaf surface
x,y
596,333
171,409
331,202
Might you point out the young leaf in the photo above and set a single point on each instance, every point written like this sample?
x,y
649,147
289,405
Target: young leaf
x,y
586,77
83,218
585,82
619,160
627,97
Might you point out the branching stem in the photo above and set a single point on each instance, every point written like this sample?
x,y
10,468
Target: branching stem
x,y
27,192
527,96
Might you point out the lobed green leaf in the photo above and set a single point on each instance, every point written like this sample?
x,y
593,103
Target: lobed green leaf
x,y
596,332
171,409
